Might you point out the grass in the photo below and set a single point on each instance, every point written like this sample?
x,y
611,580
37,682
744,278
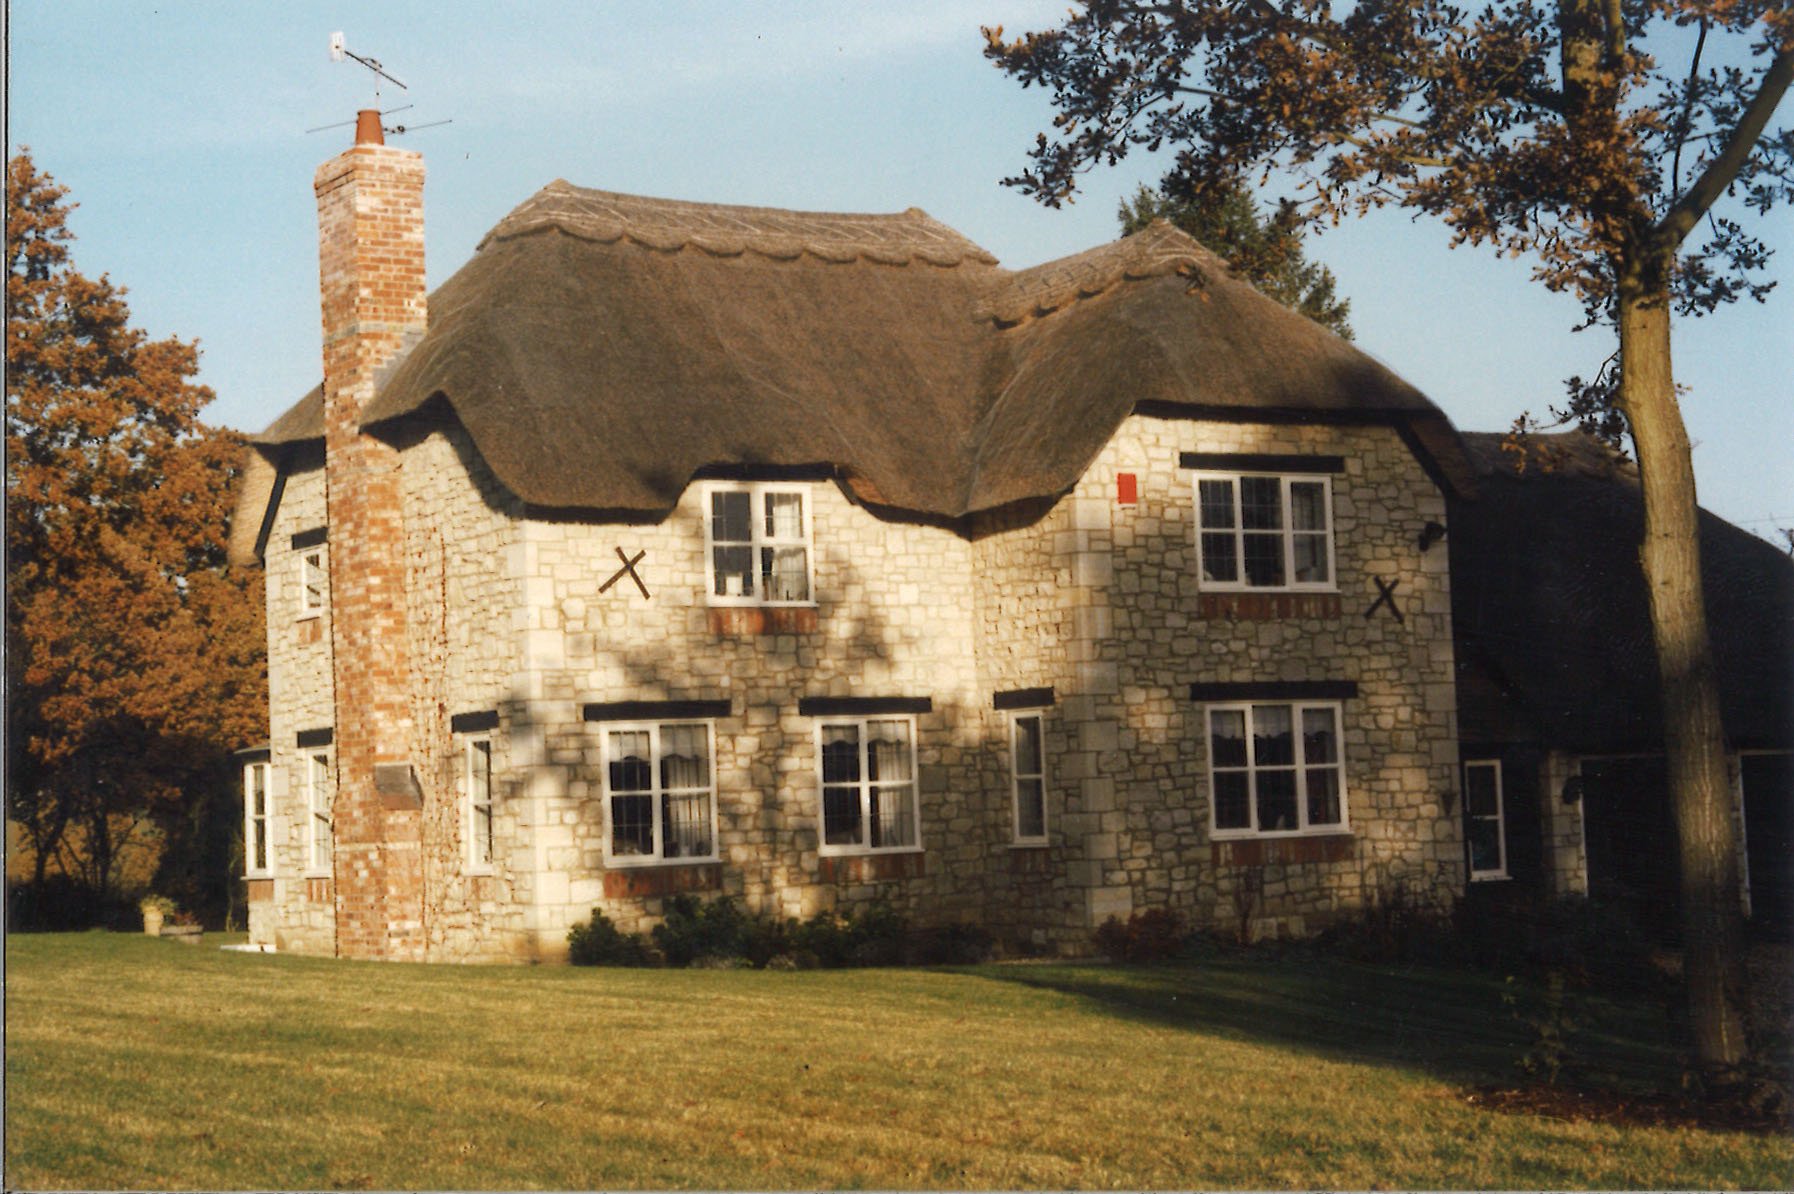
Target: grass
x,y
141,1063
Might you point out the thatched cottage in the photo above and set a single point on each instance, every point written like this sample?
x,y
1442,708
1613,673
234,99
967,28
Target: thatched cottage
x,y
1558,710
818,559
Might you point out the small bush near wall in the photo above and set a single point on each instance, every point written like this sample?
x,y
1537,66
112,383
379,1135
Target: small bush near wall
x,y
1150,936
600,943
710,933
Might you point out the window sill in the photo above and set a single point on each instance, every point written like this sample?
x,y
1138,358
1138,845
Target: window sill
x,y
873,867
748,621
1284,849
663,878
636,862
1032,844
1257,605
1490,877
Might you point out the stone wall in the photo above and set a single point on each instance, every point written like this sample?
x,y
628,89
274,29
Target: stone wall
x,y
1094,600
294,910
1119,630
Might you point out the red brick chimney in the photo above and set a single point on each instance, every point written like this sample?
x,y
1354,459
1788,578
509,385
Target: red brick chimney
x,y
371,281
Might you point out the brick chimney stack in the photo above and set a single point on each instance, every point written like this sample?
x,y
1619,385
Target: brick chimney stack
x,y
371,281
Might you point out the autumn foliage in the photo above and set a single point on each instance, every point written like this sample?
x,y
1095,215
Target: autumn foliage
x,y
135,660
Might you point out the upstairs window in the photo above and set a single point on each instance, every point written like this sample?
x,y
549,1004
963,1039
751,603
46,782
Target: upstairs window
x,y
1265,532
1275,769
660,793
314,582
758,544
1027,764
318,793
1485,828
479,805
868,773
255,820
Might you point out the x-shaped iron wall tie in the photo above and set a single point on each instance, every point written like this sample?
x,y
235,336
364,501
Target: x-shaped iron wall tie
x,y
628,569
1385,596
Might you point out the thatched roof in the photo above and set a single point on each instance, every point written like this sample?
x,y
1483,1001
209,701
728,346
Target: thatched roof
x,y
1549,606
600,349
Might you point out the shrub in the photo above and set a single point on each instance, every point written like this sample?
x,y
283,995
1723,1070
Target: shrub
x,y
1150,936
950,945
1592,944
1554,1049
1396,927
600,943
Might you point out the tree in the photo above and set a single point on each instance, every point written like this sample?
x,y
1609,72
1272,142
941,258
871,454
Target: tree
x,y
134,659
1265,252
1552,128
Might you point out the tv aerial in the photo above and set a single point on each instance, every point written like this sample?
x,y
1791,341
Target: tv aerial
x,y
338,51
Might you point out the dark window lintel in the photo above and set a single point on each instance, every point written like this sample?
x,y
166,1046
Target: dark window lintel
x,y
862,706
1275,690
656,710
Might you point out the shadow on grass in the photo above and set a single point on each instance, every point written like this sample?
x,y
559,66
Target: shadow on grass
x,y
1450,1023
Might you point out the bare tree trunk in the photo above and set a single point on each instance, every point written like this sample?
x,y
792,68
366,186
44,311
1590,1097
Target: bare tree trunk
x,y
1693,738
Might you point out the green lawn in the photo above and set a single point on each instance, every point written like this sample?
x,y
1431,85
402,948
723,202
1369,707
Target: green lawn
x,y
142,1063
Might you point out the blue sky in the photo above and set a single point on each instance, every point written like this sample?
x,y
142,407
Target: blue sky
x,y
179,128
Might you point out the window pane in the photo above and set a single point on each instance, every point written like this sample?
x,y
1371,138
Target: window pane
x,y
1027,746
841,816
1308,505
1214,502
1261,503
258,789
734,568
482,833
684,757
686,825
480,773
632,824
840,754
888,750
786,574
1273,745
730,514
629,767
1220,557
1276,800
1226,738
1231,811
1264,560
1320,736
784,516
259,844
1479,791
893,816
1485,844
1030,808
1323,795
1311,559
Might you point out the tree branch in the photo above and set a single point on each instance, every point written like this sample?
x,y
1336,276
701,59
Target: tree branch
x,y
1687,211
1694,70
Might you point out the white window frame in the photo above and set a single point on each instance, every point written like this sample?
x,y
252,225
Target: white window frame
x,y
477,754
866,784
1287,534
655,793
1017,776
1252,770
758,541
1499,817
257,778
313,561
320,791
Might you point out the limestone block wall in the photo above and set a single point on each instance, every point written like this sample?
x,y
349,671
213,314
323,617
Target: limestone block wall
x,y
460,525
1125,603
292,907
892,618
